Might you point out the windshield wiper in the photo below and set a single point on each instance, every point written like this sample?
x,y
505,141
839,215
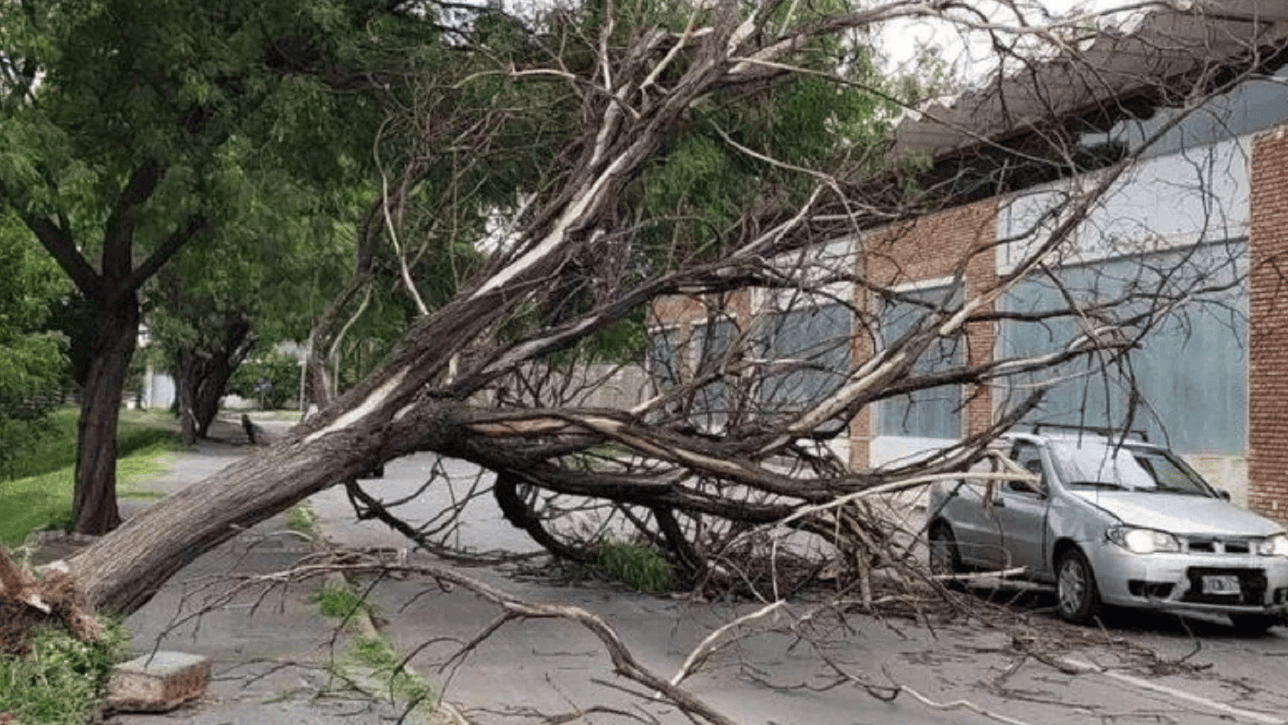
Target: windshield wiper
x,y
1100,484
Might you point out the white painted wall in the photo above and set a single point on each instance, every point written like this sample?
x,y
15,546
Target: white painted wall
x,y
158,390
1193,195
1197,194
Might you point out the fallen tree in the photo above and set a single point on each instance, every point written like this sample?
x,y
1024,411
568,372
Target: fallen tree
x,y
489,376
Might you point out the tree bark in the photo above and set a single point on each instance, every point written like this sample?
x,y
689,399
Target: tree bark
x,y
94,509
203,378
122,571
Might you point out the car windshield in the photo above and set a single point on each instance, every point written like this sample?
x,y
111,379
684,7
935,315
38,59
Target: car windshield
x,y
1096,464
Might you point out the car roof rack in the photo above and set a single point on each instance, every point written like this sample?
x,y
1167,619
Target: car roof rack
x,y
1098,430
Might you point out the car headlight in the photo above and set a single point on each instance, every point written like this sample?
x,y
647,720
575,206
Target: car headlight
x,y
1276,545
1146,541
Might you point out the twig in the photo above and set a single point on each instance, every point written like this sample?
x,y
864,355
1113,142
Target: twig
x,y
703,650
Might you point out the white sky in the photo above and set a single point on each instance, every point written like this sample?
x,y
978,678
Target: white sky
x,y
970,51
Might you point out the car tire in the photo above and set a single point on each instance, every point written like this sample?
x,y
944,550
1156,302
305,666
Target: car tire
x,y
944,555
1077,598
1254,625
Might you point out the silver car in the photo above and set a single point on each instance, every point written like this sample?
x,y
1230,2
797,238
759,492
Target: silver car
x,y
1113,522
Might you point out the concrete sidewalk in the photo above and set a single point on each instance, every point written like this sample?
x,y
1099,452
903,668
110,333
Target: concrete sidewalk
x,y
275,660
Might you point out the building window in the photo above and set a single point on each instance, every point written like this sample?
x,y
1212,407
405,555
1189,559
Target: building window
x,y
932,412
666,358
1184,383
808,351
716,392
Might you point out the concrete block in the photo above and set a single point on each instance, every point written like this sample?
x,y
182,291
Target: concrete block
x,y
157,682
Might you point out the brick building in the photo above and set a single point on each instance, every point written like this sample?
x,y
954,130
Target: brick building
x,y
1207,201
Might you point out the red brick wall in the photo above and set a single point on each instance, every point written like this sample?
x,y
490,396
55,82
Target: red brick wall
x,y
682,313
926,249
1268,331
862,427
936,247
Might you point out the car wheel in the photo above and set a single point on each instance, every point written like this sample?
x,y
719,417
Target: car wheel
x,y
1254,625
1078,599
944,556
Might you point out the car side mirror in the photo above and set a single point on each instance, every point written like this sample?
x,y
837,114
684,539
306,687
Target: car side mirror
x,y
1034,487
1024,487
1224,494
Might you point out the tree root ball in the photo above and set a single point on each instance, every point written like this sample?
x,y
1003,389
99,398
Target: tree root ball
x,y
66,606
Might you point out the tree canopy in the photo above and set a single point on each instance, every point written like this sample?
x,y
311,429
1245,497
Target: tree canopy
x,y
34,368
133,129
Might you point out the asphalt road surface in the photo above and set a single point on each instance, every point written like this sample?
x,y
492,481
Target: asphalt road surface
x,y
273,655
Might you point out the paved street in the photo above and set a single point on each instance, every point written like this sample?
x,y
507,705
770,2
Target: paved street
x,y
273,655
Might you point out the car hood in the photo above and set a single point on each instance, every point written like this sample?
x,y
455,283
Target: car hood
x,y
1180,514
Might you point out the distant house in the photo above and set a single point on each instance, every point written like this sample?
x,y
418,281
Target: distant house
x,y
1211,194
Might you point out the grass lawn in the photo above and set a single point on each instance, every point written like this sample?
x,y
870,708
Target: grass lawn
x,y
40,493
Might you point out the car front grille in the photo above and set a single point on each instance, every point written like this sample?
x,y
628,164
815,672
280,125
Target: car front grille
x,y
1213,545
1252,586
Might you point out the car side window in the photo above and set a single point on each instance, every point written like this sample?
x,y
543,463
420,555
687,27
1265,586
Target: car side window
x,y
1029,457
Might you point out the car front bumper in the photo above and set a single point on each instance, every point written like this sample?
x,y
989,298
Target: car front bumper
x,y
1227,584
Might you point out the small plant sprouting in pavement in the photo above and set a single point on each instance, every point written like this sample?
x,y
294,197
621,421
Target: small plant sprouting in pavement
x,y
369,656
375,654
642,568
302,519
338,601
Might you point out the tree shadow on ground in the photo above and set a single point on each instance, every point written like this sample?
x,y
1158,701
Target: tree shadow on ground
x,y
1039,601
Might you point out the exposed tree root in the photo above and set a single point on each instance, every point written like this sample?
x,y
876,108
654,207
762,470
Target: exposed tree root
x,y
27,601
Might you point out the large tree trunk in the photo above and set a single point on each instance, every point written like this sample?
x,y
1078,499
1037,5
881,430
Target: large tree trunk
x,y
113,293
203,377
185,394
121,572
94,509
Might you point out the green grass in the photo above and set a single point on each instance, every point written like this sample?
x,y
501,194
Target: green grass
x,y
336,602
642,568
384,665
301,519
369,656
63,680
55,448
42,497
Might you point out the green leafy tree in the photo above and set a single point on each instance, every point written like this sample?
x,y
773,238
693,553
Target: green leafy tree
x,y
33,364
217,304
272,380
131,129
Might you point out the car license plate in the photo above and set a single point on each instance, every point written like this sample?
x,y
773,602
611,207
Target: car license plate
x,y
1221,584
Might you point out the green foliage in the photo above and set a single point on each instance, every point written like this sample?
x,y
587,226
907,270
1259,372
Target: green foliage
x,y
33,362
931,76
703,183
337,601
385,665
371,654
301,519
624,341
63,680
261,119
642,568
272,379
